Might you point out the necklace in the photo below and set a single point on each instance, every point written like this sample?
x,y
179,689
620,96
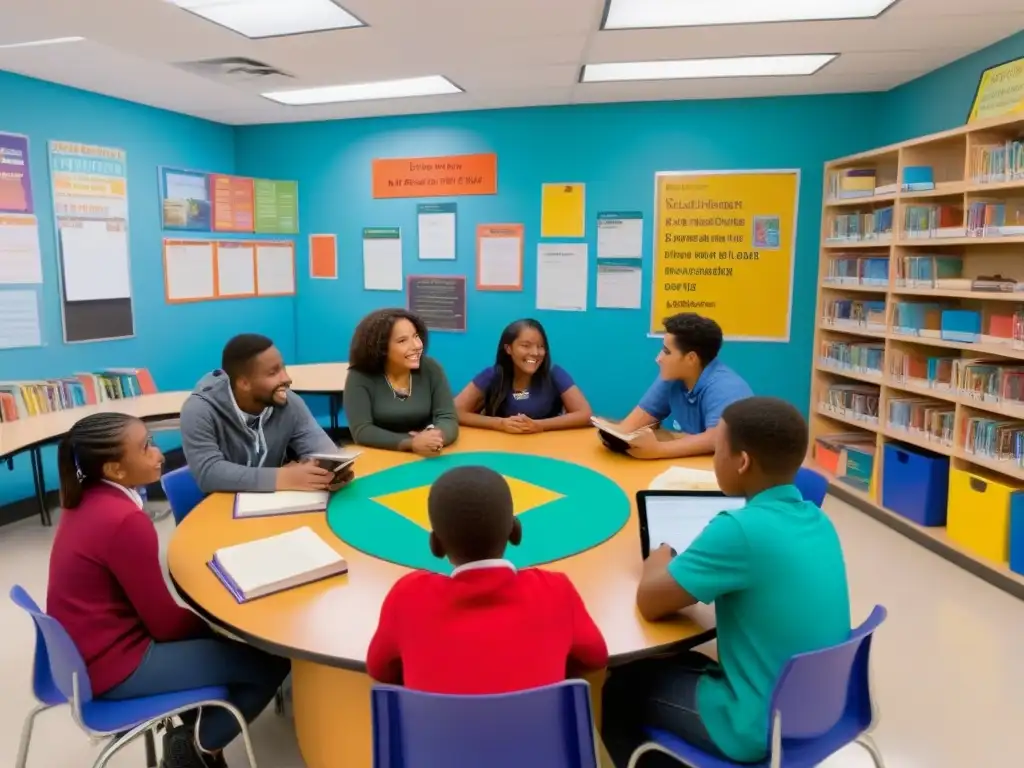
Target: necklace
x,y
399,394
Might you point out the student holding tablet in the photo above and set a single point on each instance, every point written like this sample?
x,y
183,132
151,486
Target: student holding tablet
x,y
774,570
690,395
523,392
396,397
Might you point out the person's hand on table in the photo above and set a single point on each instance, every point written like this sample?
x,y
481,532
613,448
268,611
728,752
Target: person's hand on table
x,y
344,479
646,445
520,424
304,476
429,442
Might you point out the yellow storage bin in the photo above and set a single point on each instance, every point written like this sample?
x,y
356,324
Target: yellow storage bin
x,y
978,516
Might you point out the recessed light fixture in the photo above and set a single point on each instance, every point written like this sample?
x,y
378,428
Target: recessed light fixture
x,y
433,85
696,69
647,14
48,41
272,18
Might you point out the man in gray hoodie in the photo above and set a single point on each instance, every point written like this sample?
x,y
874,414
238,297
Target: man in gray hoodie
x,y
243,430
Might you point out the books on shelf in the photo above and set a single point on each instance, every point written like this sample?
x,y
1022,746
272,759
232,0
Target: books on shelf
x,y
927,420
995,440
265,566
851,183
854,315
865,359
21,399
989,381
918,178
849,457
860,227
920,370
846,269
852,401
997,163
279,503
935,220
931,271
995,218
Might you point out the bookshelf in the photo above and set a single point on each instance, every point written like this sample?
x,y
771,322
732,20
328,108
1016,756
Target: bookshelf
x,y
919,336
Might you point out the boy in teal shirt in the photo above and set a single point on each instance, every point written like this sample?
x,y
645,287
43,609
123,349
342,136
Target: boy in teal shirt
x,y
775,572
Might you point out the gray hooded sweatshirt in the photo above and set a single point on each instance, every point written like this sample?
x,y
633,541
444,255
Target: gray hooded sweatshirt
x,y
225,453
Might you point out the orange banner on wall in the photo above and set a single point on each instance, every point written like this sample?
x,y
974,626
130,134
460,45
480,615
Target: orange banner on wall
x,y
435,176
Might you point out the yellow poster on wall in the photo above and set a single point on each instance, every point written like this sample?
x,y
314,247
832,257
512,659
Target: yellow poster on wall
x,y
563,210
723,248
1000,91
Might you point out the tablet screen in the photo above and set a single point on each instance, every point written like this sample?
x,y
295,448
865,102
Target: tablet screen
x,y
679,520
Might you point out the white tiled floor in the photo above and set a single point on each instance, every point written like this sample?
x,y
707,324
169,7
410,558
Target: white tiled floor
x,y
949,671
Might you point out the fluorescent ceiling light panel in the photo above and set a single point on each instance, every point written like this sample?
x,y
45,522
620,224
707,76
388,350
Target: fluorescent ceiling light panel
x,y
49,41
272,18
647,14
698,69
433,85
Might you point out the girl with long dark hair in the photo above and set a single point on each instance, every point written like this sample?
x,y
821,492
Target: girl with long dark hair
x,y
107,589
523,392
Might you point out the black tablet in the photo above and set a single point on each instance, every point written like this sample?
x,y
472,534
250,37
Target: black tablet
x,y
677,518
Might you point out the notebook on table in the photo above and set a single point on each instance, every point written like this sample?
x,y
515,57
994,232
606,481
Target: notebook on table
x,y
279,503
677,518
267,566
685,479
613,437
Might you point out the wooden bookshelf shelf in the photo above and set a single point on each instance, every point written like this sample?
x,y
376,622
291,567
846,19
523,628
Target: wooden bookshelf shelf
x,y
953,157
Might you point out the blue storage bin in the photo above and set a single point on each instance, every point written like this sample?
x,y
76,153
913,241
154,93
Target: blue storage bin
x,y
915,484
1017,533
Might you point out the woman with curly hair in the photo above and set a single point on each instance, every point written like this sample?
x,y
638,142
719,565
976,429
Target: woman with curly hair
x,y
396,397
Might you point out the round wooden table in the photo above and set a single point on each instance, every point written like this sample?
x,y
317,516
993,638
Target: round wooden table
x,y
325,627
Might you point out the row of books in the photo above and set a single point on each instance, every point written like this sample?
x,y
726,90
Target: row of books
x,y
849,457
22,399
995,218
933,220
1000,326
858,227
858,402
854,314
927,420
996,163
854,183
930,271
846,269
997,440
852,356
989,381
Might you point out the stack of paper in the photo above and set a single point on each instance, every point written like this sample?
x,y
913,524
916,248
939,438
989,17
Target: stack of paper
x,y
279,503
265,566
685,479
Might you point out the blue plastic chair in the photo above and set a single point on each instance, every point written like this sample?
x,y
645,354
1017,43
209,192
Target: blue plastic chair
x,y
543,726
182,492
123,721
812,486
821,703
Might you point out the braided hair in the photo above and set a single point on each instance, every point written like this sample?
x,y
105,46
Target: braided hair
x,y
91,443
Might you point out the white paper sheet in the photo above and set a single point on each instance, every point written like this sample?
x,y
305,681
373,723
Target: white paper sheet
x,y
19,319
618,286
95,261
620,238
501,262
236,275
562,276
275,269
382,264
437,235
190,271
679,520
20,263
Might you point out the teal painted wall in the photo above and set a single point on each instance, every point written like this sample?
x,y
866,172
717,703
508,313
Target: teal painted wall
x,y
941,99
177,343
616,150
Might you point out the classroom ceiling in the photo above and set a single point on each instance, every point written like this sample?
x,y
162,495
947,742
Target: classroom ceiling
x,y
503,53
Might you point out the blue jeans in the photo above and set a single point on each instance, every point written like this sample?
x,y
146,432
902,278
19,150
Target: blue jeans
x,y
251,676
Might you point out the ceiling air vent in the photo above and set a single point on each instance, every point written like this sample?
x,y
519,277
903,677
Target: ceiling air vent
x,y
239,72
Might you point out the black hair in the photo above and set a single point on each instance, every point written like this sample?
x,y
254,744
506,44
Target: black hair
x,y
470,510
239,352
369,349
771,431
91,443
501,387
697,334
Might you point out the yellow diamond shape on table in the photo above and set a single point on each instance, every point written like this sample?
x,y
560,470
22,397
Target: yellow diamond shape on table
x,y
412,504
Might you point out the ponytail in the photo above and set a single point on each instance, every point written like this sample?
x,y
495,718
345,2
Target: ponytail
x,y
91,443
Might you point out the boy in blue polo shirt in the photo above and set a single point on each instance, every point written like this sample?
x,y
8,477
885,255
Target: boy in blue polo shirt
x,y
691,393
775,572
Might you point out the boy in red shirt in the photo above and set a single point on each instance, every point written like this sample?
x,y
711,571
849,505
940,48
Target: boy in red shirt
x,y
487,628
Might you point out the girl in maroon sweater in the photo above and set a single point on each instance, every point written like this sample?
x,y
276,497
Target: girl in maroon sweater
x,y
107,589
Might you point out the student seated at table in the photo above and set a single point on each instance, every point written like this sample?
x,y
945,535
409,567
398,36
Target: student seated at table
x,y
489,627
107,589
396,397
693,389
523,392
243,429
775,572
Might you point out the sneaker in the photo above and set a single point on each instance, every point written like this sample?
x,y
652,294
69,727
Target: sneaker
x,y
179,748
213,761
